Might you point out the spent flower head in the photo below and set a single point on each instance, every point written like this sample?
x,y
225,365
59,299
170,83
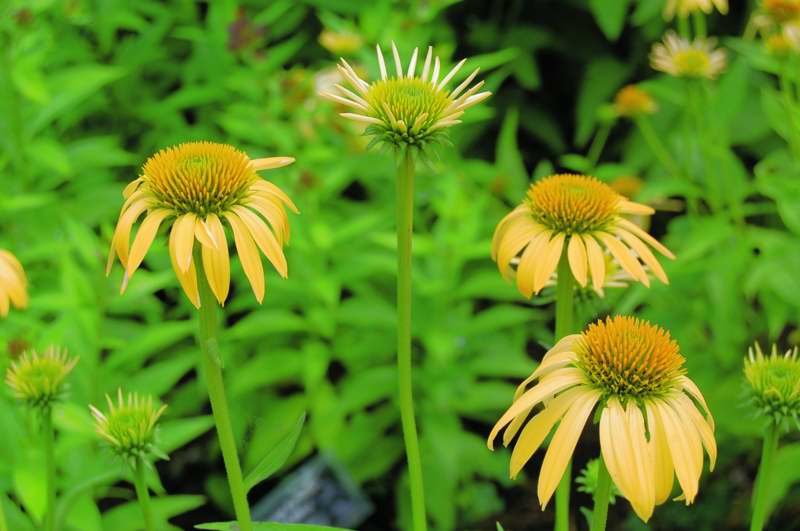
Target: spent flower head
x,y
13,283
403,109
196,187
129,426
681,57
684,8
774,383
38,379
632,101
632,372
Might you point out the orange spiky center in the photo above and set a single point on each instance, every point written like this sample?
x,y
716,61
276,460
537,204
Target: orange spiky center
x,y
198,177
630,358
633,101
573,204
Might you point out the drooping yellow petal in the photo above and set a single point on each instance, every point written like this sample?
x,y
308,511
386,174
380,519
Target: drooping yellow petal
x,y
645,254
556,361
183,229
277,192
122,233
597,262
549,261
144,239
682,448
248,254
204,234
528,263
563,444
643,235
516,236
216,261
664,469
628,262
188,277
576,253
508,219
274,214
14,283
264,239
690,387
614,445
692,417
641,464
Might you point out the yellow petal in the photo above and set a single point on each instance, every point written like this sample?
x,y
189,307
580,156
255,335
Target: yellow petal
x,y
690,387
635,229
515,237
122,233
183,231
641,464
131,187
216,261
274,213
507,220
204,234
664,469
645,254
271,162
554,383
630,207
268,187
14,263
264,239
563,444
628,262
576,253
557,361
14,284
549,261
528,262
691,416
144,239
188,277
682,448
597,262
613,446
248,254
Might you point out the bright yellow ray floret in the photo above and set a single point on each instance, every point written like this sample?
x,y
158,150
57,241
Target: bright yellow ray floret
x,y
13,283
197,187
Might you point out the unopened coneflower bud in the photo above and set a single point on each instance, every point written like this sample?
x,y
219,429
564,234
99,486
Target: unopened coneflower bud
x,y
632,102
129,426
38,379
774,382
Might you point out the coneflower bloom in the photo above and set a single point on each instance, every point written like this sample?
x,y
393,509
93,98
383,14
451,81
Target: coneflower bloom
x,y
13,283
38,379
782,11
129,426
684,8
582,215
774,383
403,109
632,101
197,186
654,422
680,57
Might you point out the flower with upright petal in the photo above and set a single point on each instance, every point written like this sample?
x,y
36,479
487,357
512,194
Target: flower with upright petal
x,y
581,215
774,383
38,379
631,102
403,109
13,283
196,187
680,57
129,427
684,8
654,422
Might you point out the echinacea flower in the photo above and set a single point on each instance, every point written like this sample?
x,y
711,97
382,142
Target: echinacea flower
x,y
405,110
654,421
632,102
781,11
129,427
13,283
582,215
680,57
774,383
197,186
37,379
684,8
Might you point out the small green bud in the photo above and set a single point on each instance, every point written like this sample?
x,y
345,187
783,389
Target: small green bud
x,y
129,427
38,379
774,382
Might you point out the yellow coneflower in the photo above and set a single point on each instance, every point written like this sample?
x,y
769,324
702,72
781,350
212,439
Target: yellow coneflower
x,y
583,215
405,109
654,422
684,8
38,379
13,283
197,186
680,57
129,427
632,101
782,11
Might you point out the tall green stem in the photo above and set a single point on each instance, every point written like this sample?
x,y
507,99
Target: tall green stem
x,y
598,144
601,497
763,478
143,494
699,19
209,344
683,27
565,288
405,228
50,468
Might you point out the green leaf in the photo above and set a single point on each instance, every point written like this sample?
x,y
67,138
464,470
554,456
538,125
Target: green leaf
x,y
276,456
175,433
128,517
610,16
269,526
603,77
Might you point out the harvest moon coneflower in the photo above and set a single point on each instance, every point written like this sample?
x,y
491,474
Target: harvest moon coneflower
x,y
680,57
197,186
13,283
582,215
654,422
684,8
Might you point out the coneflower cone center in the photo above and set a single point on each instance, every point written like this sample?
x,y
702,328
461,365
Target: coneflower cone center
x,y
629,358
573,204
692,62
44,376
409,106
198,177
776,379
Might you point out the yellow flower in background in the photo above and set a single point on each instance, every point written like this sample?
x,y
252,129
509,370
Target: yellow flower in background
x,y
197,186
680,57
13,283
130,424
38,379
774,382
582,215
782,11
632,101
684,8
403,109
654,422
340,42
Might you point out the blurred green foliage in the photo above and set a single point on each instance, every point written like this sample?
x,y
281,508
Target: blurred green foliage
x,y
88,90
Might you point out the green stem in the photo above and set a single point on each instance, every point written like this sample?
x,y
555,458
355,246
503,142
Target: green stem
x,y
598,144
405,227
50,468
601,497
763,478
3,523
699,19
565,287
789,102
143,494
211,363
683,27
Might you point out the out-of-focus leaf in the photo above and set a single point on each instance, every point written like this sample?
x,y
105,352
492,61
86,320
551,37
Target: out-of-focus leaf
x,y
275,457
610,15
